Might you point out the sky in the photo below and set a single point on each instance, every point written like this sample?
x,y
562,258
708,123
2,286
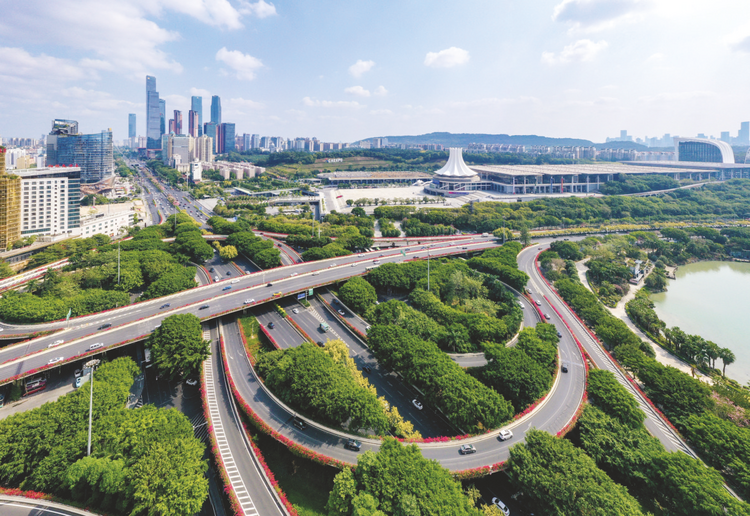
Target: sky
x,y
347,70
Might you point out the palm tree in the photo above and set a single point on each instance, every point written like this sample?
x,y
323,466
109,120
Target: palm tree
x,y
727,357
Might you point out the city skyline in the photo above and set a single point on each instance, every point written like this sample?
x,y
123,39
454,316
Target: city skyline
x,y
558,68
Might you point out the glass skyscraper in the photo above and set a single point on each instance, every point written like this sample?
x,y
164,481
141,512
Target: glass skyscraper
x,y
227,138
131,125
216,110
91,152
210,130
154,127
196,104
163,116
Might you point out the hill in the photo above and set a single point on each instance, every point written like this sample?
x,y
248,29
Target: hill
x,y
464,139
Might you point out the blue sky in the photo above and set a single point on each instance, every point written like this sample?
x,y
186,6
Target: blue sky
x,y
346,70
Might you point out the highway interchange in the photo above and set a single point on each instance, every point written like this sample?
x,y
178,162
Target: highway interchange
x,y
139,320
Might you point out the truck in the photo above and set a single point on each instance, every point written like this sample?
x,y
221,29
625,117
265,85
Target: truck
x,y
324,327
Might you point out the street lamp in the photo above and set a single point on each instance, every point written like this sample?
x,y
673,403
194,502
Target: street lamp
x,y
91,364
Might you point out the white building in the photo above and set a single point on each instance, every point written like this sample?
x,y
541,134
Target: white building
x,y
108,224
50,200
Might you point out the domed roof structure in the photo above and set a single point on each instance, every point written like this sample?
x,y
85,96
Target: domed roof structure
x,y
456,168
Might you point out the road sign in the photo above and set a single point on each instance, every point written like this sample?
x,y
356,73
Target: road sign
x,y
301,295
310,292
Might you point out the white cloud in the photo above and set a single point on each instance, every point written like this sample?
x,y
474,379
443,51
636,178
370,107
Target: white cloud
x,y
739,40
447,58
244,65
581,50
17,62
331,104
360,67
593,15
219,13
259,9
197,92
380,91
239,102
357,90
656,58
677,96
386,112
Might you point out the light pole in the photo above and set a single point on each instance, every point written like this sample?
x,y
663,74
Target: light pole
x,y
91,364
428,271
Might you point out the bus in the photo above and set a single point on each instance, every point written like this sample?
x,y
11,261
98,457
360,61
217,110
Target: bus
x,y
33,385
324,327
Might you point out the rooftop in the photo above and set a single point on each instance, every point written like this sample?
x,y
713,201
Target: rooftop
x,y
376,175
604,168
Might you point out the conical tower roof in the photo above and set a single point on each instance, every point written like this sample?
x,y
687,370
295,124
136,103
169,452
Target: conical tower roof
x,y
456,166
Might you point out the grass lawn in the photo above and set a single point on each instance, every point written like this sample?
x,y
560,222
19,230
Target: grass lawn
x,y
305,483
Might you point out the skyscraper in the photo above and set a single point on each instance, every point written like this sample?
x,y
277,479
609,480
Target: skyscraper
x,y
91,152
131,125
743,136
154,126
216,110
196,104
162,116
227,138
194,125
177,122
209,129
10,206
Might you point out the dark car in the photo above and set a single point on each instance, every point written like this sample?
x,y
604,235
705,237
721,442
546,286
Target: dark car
x,y
466,449
353,445
203,307
226,288
367,370
559,335
299,424
212,269
229,273
270,285
165,305
105,326
271,325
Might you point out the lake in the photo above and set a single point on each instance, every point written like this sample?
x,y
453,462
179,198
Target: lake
x,y
712,299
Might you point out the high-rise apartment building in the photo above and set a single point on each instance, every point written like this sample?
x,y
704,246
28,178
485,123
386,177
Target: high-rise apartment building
x,y
255,141
227,138
204,149
131,125
247,142
194,124
154,127
10,206
177,122
216,110
196,104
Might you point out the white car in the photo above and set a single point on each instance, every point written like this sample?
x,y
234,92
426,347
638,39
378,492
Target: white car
x,y
235,280
295,310
341,312
55,360
191,381
316,273
504,435
96,345
417,404
500,505
249,301
56,343
292,274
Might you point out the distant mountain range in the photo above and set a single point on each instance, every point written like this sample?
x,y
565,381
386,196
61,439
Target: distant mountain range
x,y
464,139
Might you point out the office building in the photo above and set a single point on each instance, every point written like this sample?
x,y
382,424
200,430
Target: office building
x,y
154,126
216,110
183,146
51,201
177,122
193,124
92,152
10,206
227,138
210,130
131,125
247,142
162,116
255,141
196,104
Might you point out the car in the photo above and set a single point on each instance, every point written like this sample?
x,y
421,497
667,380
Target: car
x,y
417,404
249,301
504,435
212,269
271,325
538,303
341,312
55,360
546,316
56,343
79,382
78,373
278,245
316,273
353,444
564,367
235,280
523,307
203,307
500,505
269,284
277,294
96,345
165,305
464,248
226,288
332,265
229,273
191,381
466,449
105,326
299,424
376,262
367,328
292,274
366,370
354,265
295,310
157,326
559,335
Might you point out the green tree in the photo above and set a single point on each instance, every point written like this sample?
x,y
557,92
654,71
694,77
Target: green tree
x,y
607,393
228,252
177,347
539,465
5,270
358,294
525,235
